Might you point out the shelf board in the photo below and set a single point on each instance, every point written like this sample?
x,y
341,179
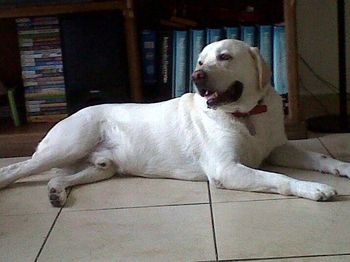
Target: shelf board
x,y
55,9
21,141
295,129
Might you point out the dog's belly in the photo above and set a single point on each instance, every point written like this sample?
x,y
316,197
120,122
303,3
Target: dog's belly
x,y
143,158
147,140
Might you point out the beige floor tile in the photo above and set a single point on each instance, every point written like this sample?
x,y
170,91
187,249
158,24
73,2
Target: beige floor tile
x,y
27,195
21,237
335,258
179,233
133,191
338,145
25,198
282,228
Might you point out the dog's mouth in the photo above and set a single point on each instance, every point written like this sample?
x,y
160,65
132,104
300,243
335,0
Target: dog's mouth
x,y
215,98
211,96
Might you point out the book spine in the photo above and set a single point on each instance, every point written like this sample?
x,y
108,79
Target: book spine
x,y
38,31
165,64
265,43
13,107
148,50
33,90
50,52
279,60
248,34
213,35
180,63
232,32
197,43
47,20
46,118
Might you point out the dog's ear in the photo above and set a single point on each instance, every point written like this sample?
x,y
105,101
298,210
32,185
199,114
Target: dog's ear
x,y
264,71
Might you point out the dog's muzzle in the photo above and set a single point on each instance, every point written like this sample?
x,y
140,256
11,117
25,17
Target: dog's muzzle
x,y
199,78
214,98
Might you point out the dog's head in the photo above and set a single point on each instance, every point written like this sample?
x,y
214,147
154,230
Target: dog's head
x,y
231,75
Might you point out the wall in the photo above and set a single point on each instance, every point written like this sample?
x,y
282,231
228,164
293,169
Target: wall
x,y
318,45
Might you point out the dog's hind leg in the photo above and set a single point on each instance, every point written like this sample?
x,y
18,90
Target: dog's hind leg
x,y
290,156
42,160
70,141
35,165
100,170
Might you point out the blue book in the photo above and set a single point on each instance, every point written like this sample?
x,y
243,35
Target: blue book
x,y
248,34
213,35
165,64
180,63
39,63
280,60
265,43
148,53
197,43
232,32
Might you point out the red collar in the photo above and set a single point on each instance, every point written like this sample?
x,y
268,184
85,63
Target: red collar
x,y
258,109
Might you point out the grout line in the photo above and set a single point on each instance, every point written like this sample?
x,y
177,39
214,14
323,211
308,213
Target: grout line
x,y
47,236
256,200
213,223
134,207
287,257
50,230
276,199
329,152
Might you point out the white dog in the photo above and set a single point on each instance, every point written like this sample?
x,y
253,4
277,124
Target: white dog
x,y
222,134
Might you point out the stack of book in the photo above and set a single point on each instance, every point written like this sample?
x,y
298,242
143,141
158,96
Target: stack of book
x,y
171,56
42,68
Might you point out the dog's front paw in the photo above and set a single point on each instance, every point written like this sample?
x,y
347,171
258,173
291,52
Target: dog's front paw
x,y
313,191
57,195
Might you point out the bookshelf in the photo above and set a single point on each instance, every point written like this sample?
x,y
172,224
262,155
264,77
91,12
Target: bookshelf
x,y
23,140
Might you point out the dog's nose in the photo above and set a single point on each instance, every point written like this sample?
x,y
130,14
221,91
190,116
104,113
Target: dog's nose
x,y
199,76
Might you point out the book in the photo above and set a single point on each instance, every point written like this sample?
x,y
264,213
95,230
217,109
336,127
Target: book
x,y
248,34
279,60
165,64
265,43
213,35
41,62
197,43
13,107
180,63
232,32
46,118
148,53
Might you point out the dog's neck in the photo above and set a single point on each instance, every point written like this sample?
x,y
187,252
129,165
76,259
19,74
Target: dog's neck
x,y
258,109
245,117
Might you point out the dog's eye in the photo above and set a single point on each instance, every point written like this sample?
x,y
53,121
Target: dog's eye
x,y
200,63
224,57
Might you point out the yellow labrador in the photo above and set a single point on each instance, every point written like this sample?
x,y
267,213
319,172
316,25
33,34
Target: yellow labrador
x,y
222,134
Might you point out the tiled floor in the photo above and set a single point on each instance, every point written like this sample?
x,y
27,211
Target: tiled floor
x,y
136,219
